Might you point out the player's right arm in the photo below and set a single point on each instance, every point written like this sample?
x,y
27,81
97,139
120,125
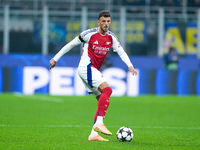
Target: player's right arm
x,y
82,38
76,41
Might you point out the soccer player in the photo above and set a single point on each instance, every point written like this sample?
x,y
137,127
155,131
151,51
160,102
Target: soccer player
x,y
96,44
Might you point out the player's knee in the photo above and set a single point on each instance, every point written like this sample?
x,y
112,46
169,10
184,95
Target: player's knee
x,y
107,90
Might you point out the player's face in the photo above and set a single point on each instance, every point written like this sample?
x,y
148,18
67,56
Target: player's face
x,y
104,24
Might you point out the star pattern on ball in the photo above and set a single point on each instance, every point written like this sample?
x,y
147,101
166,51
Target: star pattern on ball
x,y
124,134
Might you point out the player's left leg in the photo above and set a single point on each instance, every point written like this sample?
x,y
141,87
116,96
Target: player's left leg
x,y
103,104
103,101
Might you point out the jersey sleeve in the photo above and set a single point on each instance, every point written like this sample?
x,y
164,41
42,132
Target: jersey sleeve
x,y
76,41
118,48
85,36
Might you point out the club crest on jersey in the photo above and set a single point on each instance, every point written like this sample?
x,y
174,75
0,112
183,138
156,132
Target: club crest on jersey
x,y
96,42
108,43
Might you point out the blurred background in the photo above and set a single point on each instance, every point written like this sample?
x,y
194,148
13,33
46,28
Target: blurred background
x,y
162,38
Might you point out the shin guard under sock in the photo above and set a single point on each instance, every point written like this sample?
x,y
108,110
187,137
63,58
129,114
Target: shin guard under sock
x,y
103,102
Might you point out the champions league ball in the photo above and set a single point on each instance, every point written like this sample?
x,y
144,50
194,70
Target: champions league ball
x,y
124,134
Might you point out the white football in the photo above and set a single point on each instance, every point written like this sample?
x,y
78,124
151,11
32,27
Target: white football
x,y
124,134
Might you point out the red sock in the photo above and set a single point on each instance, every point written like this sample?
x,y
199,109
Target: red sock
x,y
103,102
95,116
106,106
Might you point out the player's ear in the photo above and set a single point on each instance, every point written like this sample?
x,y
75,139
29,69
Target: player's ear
x,y
98,22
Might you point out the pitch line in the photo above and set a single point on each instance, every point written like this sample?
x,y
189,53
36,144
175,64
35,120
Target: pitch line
x,y
40,97
85,126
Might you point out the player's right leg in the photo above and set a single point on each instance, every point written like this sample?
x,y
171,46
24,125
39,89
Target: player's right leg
x,y
97,138
94,136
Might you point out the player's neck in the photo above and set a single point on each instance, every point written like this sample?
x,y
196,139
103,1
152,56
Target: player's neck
x,y
101,32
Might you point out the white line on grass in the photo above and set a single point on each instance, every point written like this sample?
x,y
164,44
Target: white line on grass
x,y
49,126
85,126
40,97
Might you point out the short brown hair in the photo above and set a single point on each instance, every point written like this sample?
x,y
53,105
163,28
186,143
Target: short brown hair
x,y
104,13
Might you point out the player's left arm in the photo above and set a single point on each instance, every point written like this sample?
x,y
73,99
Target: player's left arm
x,y
132,70
118,48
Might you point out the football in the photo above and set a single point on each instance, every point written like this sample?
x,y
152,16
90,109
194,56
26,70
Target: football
x,y
124,134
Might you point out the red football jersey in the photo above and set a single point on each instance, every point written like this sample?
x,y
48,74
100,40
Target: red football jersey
x,y
96,47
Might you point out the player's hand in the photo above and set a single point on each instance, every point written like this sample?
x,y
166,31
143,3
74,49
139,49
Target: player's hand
x,y
132,70
52,63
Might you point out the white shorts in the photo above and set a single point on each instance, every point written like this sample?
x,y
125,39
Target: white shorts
x,y
91,78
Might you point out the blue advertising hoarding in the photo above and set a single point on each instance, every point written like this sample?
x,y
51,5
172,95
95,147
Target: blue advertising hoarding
x,y
65,81
1,80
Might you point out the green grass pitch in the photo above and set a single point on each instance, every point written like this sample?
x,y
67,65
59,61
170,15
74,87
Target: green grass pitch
x,y
43,122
